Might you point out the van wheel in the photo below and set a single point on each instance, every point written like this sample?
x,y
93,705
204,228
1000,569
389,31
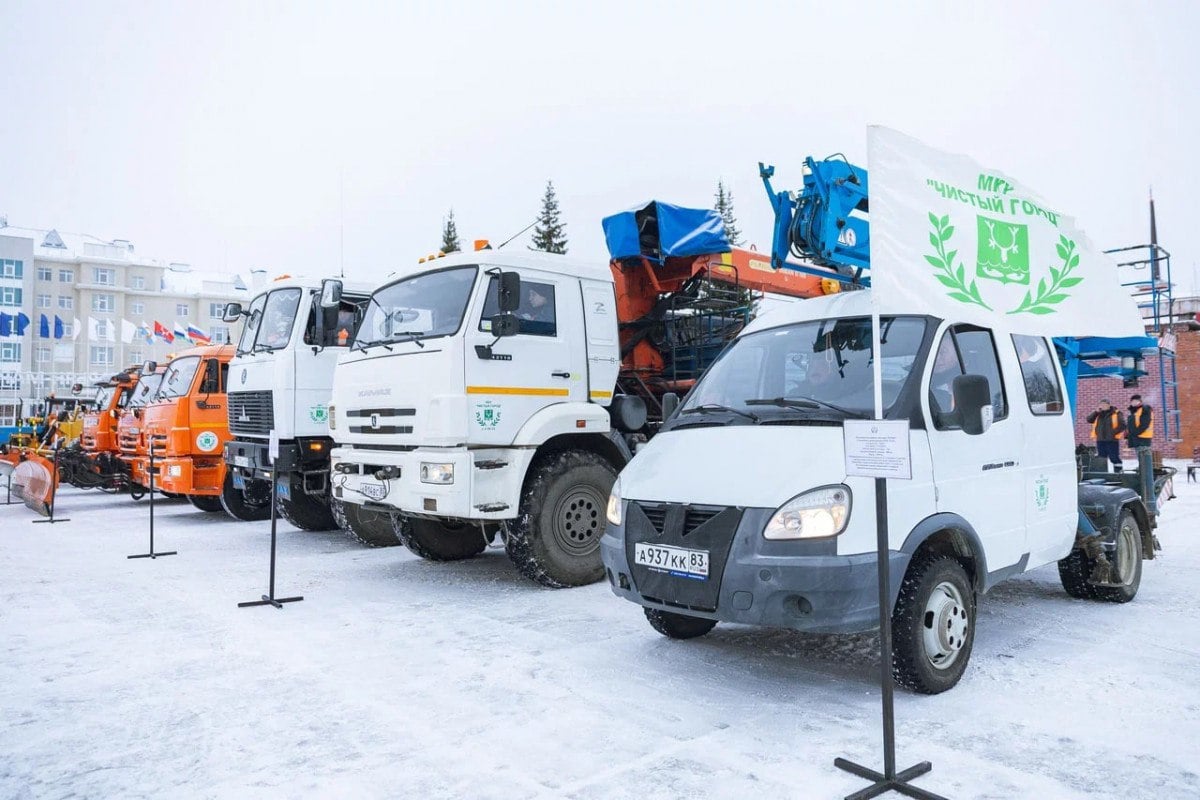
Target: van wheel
x,y
436,540
305,511
1076,570
204,502
251,504
933,625
372,528
678,626
555,540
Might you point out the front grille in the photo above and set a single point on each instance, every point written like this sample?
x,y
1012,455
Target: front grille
x,y
708,528
693,516
129,443
251,413
383,412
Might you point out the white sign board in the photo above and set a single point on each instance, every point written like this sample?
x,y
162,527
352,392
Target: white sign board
x,y
877,448
273,446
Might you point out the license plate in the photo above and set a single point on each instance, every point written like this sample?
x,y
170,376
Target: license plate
x,y
679,561
238,481
283,489
241,461
375,491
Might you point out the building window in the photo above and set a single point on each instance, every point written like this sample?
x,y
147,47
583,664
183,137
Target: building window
x,y
9,411
103,302
10,352
10,268
10,381
43,355
45,274
68,329
66,276
137,308
66,302
101,356
220,334
216,310
137,357
103,276
44,301
137,282
181,309
10,296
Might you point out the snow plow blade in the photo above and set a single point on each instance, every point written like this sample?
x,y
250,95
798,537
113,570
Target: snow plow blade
x,y
33,482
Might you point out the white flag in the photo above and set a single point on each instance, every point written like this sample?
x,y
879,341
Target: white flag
x,y
93,329
74,327
128,330
969,244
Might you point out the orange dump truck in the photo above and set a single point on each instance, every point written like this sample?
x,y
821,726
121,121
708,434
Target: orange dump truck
x,y
100,424
186,424
131,437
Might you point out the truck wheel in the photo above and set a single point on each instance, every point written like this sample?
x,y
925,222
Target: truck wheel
x,y
555,540
251,504
306,512
933,625
1075,571
435,540
372,528
678,626
204,502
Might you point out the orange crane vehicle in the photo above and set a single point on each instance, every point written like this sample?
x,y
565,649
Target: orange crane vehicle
x,y
186,424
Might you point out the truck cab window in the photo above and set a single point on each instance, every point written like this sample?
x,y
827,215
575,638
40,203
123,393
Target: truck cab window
x,y
224,378
964,350
275,330
536,315
1042,389
211,383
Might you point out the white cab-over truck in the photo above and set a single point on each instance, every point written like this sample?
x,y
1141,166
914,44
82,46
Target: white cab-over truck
x,y
280,380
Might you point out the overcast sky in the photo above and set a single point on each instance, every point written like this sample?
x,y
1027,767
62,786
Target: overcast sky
x,y
224,134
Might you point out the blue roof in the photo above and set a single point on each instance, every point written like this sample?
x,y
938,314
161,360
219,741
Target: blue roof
x,y
660,230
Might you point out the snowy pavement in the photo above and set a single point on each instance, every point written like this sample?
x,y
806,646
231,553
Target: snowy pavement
x,y
401,678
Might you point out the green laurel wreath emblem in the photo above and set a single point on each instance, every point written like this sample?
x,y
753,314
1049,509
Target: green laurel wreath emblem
x,y
953,278
1046,297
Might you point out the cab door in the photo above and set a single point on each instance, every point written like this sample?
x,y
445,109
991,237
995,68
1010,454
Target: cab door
x,y
542,365
979,478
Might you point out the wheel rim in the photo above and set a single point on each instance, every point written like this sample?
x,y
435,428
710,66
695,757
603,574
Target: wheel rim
x,y
946,625
1127,553
578,521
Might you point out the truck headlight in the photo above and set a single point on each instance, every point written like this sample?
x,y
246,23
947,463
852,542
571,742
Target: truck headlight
x,y
613,512
813,514
437,473
332,417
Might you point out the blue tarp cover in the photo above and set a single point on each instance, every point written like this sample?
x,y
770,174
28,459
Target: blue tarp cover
x,y
658,230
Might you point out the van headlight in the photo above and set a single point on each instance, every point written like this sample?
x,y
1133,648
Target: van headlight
x,y
813,514
613,513
437,473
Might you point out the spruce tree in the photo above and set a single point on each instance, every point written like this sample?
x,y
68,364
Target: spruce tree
x,y
724,207
450,234
550,234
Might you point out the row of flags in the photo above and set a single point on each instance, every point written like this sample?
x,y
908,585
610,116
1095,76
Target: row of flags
x,y
102,330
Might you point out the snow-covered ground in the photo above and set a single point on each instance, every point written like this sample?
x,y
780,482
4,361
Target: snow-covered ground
x,y
401,678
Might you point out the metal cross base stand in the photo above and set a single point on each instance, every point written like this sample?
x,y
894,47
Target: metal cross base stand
x,y
270,599
53,493
889,780
152,554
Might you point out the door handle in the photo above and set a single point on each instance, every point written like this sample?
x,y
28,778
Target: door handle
x,y
560,374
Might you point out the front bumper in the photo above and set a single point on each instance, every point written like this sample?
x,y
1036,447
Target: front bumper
x,y
487,482
803,585
200,476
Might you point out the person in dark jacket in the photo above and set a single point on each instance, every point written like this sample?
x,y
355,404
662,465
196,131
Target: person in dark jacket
x,y
1141,423
1107,426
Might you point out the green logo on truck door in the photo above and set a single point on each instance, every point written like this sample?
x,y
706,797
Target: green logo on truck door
x,y
487,414
1041,492
207,441
319,413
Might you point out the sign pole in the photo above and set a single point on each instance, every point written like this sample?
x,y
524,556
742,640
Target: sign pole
x,y
152,554
270,599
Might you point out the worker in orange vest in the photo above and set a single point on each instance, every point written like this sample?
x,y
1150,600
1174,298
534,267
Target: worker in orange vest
x,y
1141,423
1107,426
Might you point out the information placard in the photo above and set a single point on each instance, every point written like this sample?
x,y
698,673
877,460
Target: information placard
x,y
877,448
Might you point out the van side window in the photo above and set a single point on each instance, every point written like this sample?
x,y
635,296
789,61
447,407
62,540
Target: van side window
x,y
1041,378
964,350
536,315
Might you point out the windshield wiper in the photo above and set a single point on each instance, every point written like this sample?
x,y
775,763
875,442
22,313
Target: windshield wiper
x,y
265,348
716,408
804,402
416,336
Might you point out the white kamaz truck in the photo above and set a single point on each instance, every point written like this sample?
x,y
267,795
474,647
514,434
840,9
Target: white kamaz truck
x,y
280,380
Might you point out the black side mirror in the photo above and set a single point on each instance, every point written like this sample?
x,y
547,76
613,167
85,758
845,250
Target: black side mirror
x,y
509,296
973,403
331,293
670,402
233,312
149,368
505,324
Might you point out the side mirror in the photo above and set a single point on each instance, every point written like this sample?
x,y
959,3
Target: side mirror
x,y
509,296
670,402
233,312
973,403
505,324
150,367
331,293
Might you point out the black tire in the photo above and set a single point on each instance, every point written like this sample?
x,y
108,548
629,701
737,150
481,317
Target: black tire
x,y
305,511
437,540
933,625
555,540
678,626
136,491
252,504
1075,571
365,526
208,503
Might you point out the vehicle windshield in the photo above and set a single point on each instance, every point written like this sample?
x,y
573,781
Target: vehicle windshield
x,y
250,330
275,331
177,380
818,367
423,306
103,395
147,387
